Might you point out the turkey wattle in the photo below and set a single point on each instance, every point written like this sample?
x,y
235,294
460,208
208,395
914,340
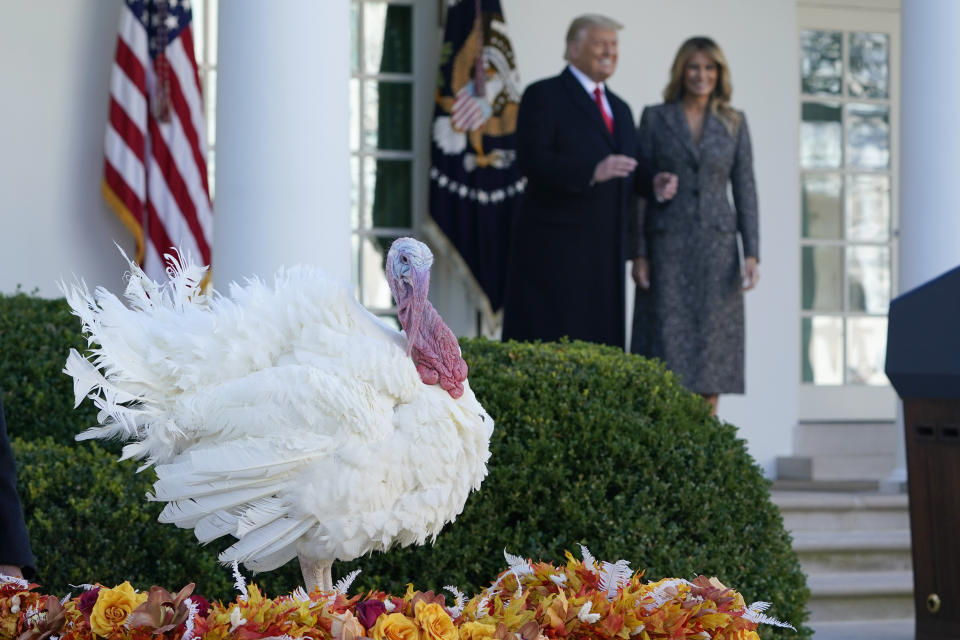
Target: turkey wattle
x,y
290,417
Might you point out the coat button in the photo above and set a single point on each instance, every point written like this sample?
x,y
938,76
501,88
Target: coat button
x,y
696,193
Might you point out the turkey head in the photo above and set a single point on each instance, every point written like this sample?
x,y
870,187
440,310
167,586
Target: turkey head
x,y
430,343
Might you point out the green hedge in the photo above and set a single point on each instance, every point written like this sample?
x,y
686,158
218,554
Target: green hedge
x,y
591,446
35,336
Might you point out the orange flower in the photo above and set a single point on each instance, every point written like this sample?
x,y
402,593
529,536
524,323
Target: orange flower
x,y
435,622
395,626
476,631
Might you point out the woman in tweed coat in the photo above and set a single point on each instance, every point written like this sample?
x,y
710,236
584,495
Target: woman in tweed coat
x,y
687,267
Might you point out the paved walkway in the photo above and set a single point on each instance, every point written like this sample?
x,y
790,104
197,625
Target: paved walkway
x,y
874,630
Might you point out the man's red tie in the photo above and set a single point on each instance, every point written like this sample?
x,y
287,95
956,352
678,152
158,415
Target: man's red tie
x,y
607,120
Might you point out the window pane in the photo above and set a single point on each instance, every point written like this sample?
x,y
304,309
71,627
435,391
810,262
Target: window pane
x,y
822,357
213,8
355,263
209,79
354,37
868,207
388,35
868,136
868,74
822,206
388,115
868,278
198,31
866,350
354,114
376,292
821,135
355,192
389,193
822,279
820,66
212,172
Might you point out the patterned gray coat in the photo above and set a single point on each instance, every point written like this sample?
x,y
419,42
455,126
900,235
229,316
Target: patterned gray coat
x,y
692,315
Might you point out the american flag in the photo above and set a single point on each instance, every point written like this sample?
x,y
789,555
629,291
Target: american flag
x,y
155,174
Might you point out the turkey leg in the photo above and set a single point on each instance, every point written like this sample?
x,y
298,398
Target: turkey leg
x,y
316,573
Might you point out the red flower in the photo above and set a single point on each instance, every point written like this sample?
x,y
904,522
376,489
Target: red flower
x,y
368,611
87,600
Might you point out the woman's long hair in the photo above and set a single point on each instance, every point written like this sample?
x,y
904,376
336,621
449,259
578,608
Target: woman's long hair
x,y
720,100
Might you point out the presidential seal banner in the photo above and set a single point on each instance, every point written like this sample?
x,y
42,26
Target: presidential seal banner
x,y
475,184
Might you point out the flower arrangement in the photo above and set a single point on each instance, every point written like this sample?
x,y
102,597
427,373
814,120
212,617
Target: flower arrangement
x,y
582,600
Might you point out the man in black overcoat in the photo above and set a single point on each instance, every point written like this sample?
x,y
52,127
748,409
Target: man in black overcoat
x,y
577,147
16,558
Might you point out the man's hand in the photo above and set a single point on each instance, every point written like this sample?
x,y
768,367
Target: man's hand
x,y
641,272
11,570
751,273
665,186
614,166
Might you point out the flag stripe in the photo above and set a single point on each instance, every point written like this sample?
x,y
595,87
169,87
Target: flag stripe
x,y
134,36
127,129
129,96
187,37
169,193
121,190
190,173
131,66
159,237
189,87
126,163
184,115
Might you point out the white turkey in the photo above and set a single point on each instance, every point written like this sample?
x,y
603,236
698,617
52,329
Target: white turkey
x,y
288,417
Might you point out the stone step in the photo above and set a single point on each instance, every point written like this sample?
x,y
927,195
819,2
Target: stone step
x,y
836,467
826,511
860,595
838,551
846,486
894,629
846,438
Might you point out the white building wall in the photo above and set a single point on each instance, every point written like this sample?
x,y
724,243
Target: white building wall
x,y
55,61
759,38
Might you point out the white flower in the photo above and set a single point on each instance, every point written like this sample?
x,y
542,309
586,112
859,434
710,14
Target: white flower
x,y
389,606
559,580
236,619
637,630
585,615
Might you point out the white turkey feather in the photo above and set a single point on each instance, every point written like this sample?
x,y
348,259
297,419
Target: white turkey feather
x,y
287,416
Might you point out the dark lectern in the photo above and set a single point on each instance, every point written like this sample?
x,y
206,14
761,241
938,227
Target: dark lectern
x,y
923,363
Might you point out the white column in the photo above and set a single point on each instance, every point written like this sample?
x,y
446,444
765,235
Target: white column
x,y
929,242
282,164
929,134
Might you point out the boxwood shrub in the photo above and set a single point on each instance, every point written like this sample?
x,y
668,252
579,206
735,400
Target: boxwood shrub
x,y
591,446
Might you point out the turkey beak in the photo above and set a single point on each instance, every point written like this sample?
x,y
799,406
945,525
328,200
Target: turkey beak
x,y
419,284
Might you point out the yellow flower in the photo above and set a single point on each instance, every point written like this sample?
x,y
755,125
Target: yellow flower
x,y
395,626
435,622
112,608
476,631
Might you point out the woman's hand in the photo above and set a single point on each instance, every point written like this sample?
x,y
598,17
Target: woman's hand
x,y
751,273
641,272
11,570
665,186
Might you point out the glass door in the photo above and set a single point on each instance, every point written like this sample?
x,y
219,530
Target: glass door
x,y
848,91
